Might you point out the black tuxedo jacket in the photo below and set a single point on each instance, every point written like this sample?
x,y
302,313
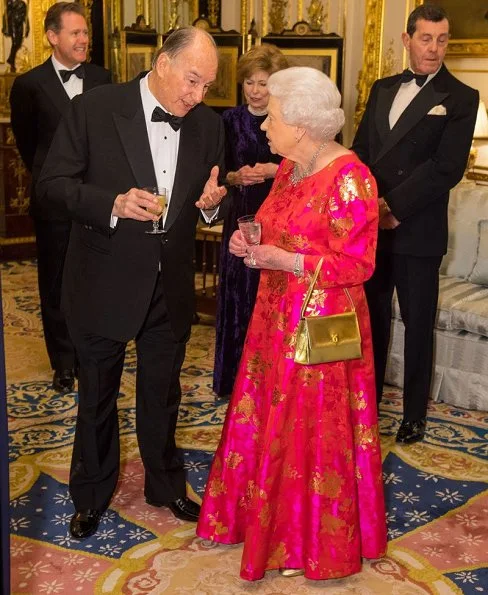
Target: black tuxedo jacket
x,y
101,149
420,159
37,102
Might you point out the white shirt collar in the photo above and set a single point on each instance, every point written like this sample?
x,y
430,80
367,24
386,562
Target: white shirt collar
x,y
149,102
429,78
58,66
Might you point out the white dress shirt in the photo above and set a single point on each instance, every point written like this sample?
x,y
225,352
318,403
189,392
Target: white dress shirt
x,y
406,93
164,143
74,85
163,140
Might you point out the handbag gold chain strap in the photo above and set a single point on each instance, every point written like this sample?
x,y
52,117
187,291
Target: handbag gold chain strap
x,y
307,297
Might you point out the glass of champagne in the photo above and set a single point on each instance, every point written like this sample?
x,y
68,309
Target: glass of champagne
x,y
250,229
162,195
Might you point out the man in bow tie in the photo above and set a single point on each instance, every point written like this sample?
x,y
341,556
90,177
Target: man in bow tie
x,y
121,283
37,100
415,135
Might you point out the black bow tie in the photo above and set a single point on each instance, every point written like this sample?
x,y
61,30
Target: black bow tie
x,y
79,71
408,75
159,115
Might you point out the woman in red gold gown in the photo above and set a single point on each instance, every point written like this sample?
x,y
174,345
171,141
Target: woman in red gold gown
x,y
297,475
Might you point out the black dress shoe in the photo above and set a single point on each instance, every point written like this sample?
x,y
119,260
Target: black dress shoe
x,y
64,381
183,508
84,523
411,431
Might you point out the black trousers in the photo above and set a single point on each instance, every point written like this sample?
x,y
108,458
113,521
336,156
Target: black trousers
x,y
52,239
96,452
416,281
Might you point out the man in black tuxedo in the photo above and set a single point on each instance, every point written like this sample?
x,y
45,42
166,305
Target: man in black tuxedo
x,y
38,99
119,281
415,136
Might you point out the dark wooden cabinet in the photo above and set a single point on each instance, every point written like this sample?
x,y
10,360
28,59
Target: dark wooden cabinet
x,y
17,239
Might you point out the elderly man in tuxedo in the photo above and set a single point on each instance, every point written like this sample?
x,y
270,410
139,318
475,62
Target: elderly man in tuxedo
x,y
415,136
121,282
37,100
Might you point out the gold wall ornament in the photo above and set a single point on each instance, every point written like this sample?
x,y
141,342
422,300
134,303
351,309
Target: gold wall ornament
x,y
174,16
41,50
244,19
372,52
316,15
115,56
264,18
23,60
112,19
300,10
277,16
87,5
390,64
213,12
20,202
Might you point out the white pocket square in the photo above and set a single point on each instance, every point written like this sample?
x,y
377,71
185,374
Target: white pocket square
x,y
437,110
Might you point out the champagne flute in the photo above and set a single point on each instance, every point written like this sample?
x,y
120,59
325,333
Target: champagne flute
x,y
250,229
161,194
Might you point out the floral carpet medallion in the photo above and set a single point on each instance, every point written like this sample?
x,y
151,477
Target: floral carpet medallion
x,y
436,490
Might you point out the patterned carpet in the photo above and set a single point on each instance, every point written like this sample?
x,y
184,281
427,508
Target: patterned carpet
x,y
436,490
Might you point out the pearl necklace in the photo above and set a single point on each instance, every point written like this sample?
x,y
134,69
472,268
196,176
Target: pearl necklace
x,y
297,175
258,112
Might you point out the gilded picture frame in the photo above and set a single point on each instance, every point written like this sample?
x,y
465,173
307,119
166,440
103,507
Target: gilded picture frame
x,y
223,92
326,60
137,50
468,26
139,58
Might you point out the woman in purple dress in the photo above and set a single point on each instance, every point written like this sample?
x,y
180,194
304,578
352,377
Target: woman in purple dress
x,y
251,168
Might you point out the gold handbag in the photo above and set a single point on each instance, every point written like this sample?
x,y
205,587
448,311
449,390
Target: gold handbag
x,y
322,339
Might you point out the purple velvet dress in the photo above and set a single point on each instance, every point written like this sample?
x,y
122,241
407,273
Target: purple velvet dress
x,y
246,144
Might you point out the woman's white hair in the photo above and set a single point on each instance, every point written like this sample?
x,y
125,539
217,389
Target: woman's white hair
x,y
308,99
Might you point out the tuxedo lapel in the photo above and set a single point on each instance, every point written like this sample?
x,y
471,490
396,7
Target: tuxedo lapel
x,y
131,126
414,112
53,87
187,154
92,79
386,95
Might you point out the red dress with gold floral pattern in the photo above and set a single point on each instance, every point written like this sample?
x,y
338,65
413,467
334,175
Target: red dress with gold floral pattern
x,y
297,474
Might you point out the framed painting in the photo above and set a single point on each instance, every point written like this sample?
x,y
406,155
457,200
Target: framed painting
x,y
223,92
468,26
137,50
139,58
324,60
323,52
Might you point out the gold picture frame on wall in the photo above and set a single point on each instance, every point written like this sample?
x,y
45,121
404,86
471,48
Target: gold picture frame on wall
x,y
468,26
223,92
137,50
139,59
326,59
